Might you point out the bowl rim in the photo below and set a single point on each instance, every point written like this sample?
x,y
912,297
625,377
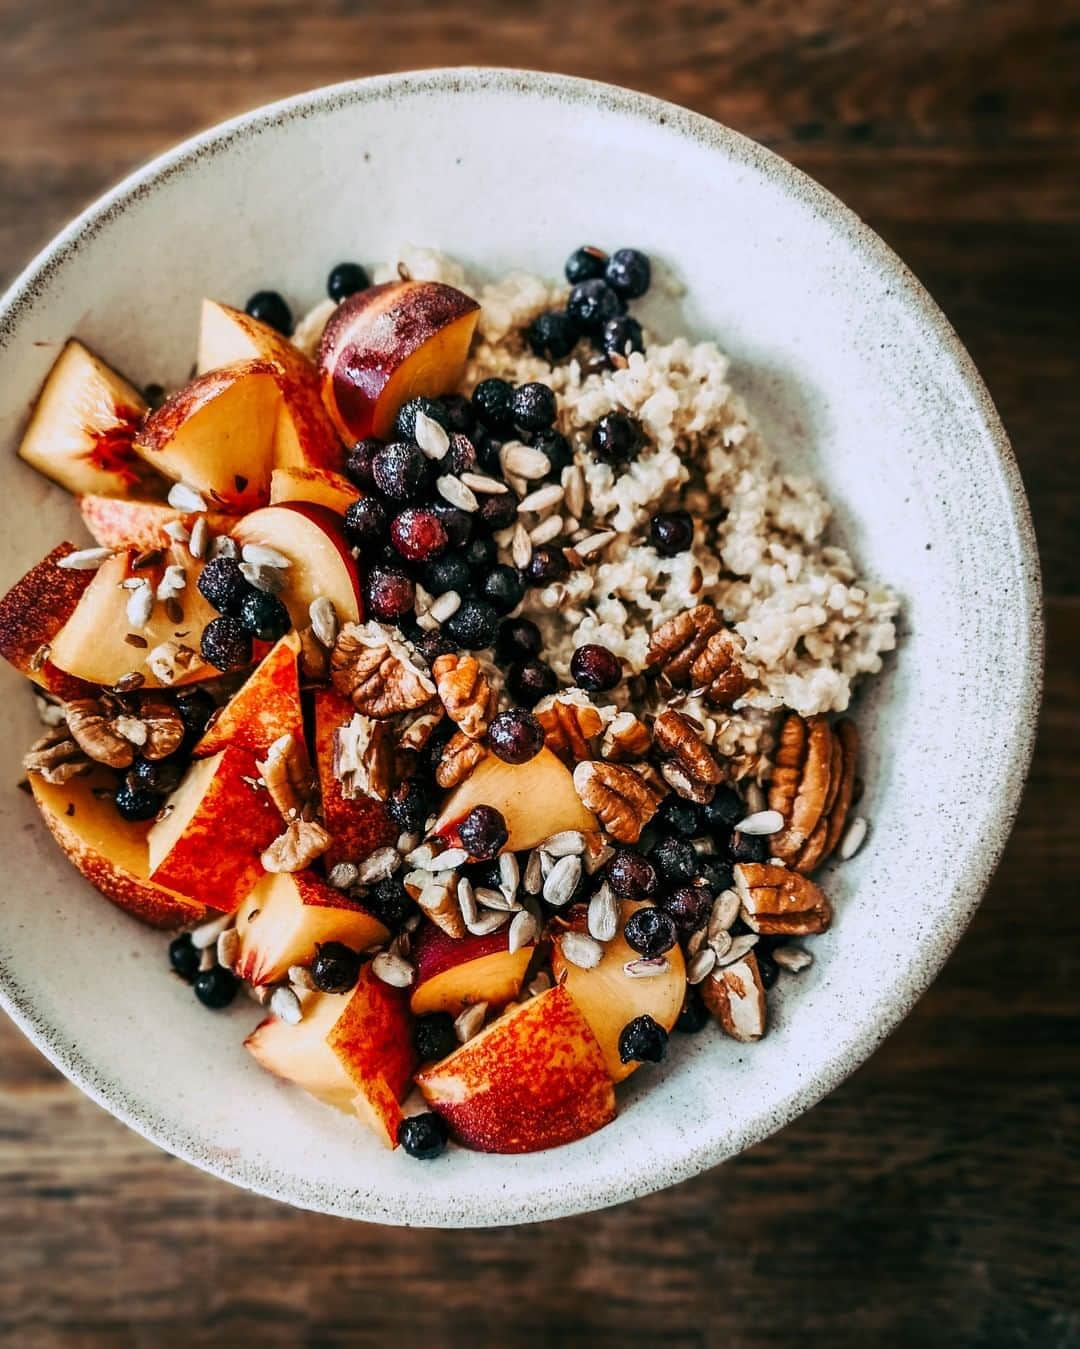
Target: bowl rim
x,y
492,1206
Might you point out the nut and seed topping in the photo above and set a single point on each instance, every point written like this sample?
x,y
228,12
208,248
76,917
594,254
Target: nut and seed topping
x,y
286,772
85,559
56,757
581,950
778,901
569,722
377,673
458,760
302,842
465,693
621,798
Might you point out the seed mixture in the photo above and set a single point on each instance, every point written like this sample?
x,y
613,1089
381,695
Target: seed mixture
x,y
552,784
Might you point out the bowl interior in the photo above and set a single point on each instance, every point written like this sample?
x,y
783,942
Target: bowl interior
x,y
847,365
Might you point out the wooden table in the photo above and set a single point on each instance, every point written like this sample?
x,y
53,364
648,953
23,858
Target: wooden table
x,y
927,1200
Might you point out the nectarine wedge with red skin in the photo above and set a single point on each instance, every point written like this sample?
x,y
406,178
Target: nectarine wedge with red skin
x,y
317,486
31,614
357,825
322,564
455,973
533,1079
109,851
134,522
213,831
287,916
263,709
388,344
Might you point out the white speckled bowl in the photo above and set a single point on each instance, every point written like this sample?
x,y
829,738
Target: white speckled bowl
x,y
852,370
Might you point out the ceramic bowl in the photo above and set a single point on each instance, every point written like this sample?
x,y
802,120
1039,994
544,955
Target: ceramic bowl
x,y
854,374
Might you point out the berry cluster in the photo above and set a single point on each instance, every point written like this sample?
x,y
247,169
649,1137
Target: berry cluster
x,y
600,288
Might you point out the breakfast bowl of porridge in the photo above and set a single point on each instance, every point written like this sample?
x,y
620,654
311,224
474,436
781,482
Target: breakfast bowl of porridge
x,y
491,672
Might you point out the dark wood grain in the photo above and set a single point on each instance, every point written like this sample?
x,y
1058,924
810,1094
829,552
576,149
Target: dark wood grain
x,y
932,1199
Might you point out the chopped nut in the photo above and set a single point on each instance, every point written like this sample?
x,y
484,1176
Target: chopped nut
x,y
719,669
682,784
301,843
735,995
164,726
569,721
96,734
465,693
621,798
459,758
377,673
778,901
418,732
314,659
287,774
56,757
437,898
625,738
363,749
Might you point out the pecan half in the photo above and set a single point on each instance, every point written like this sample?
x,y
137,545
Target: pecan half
x,y
418,732
465,693
95,732
377,673
621,797
625,738
459,758
56,757
799,789
681,740
570,721
302,842
848,736
735,995
675,645
719,670
778,901
164,727
287,774
363,753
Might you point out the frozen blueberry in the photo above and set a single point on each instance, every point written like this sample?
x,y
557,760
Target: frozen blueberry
x,y
221,584
518,639
503,588
160,776
497,511
617,438
405,421
675,859
347,278
456,522
423,1136
336,967
555,448
694,1014
388,594
432,645
689,907
488,444
269,307
400,470
620,336
628,272
389,901
546,565
474,625
714,874
748,847
358,465
183,957
650,931
533,407
216,987
461,456
585,264
595,668
451,572
679,816
365,524
434,1036
591,304
631,876
418,534
196,707
459,413
725,809
530,681
480,553
671,532
552,335
226,643
515,736
483,832
264,616
492,402
642,1040
768,969
407,806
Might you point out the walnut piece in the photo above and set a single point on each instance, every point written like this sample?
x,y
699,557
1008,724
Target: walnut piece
x,y
719,670
164,726
362,758
377,672
94,730
799,789
621,797
301,843
625,738
735,995
56,757
465,693
286,771
459,758
570,721
777,901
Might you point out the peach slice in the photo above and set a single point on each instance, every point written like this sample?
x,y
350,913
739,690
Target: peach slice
x,y
93,644
217,434
109,851
33,612
533,1079
319,486
81,431
287,916
322,562
455,973
213,830
388,344
304,435
266,707
353,1051
133,522
359,824
537,799
608,998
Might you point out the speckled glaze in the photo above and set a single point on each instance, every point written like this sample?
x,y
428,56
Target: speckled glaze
x,y
850,368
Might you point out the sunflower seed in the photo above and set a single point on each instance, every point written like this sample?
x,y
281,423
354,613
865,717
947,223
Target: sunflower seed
x,y
645,969
755,798
223,546
740,945
324,620
406,843
177,531
392,970
446,606
524,930
445,861
603,917
546,530
184,498
854,837
207,958
455,491
495,899
581,950
567,843
259,555
594,543
562,881
521,549
487,922
540,983
509,874
420,857
792,958
696,941
573,481
260,993
720,943
173,580
206,934
533,879
466,898
524,461
267,579
541,500
725,910
470,1022
300,977
480,482
431,436
200,537
85,559
140,605
132,729
761,822
382,863
700,965
228,948
285,1005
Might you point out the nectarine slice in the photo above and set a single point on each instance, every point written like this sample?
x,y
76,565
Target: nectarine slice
x,y
321,560
31,614
263,709
319,486
358,825
455,973
134,522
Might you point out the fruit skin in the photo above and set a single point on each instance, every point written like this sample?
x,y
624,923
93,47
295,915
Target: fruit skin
x,y
536,799
110,852
608,1000
264,708
217,434
358,826
133,522
83,424
208,846
311,538
317,486
533,1079
455,973
31,614
286,916
388,344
